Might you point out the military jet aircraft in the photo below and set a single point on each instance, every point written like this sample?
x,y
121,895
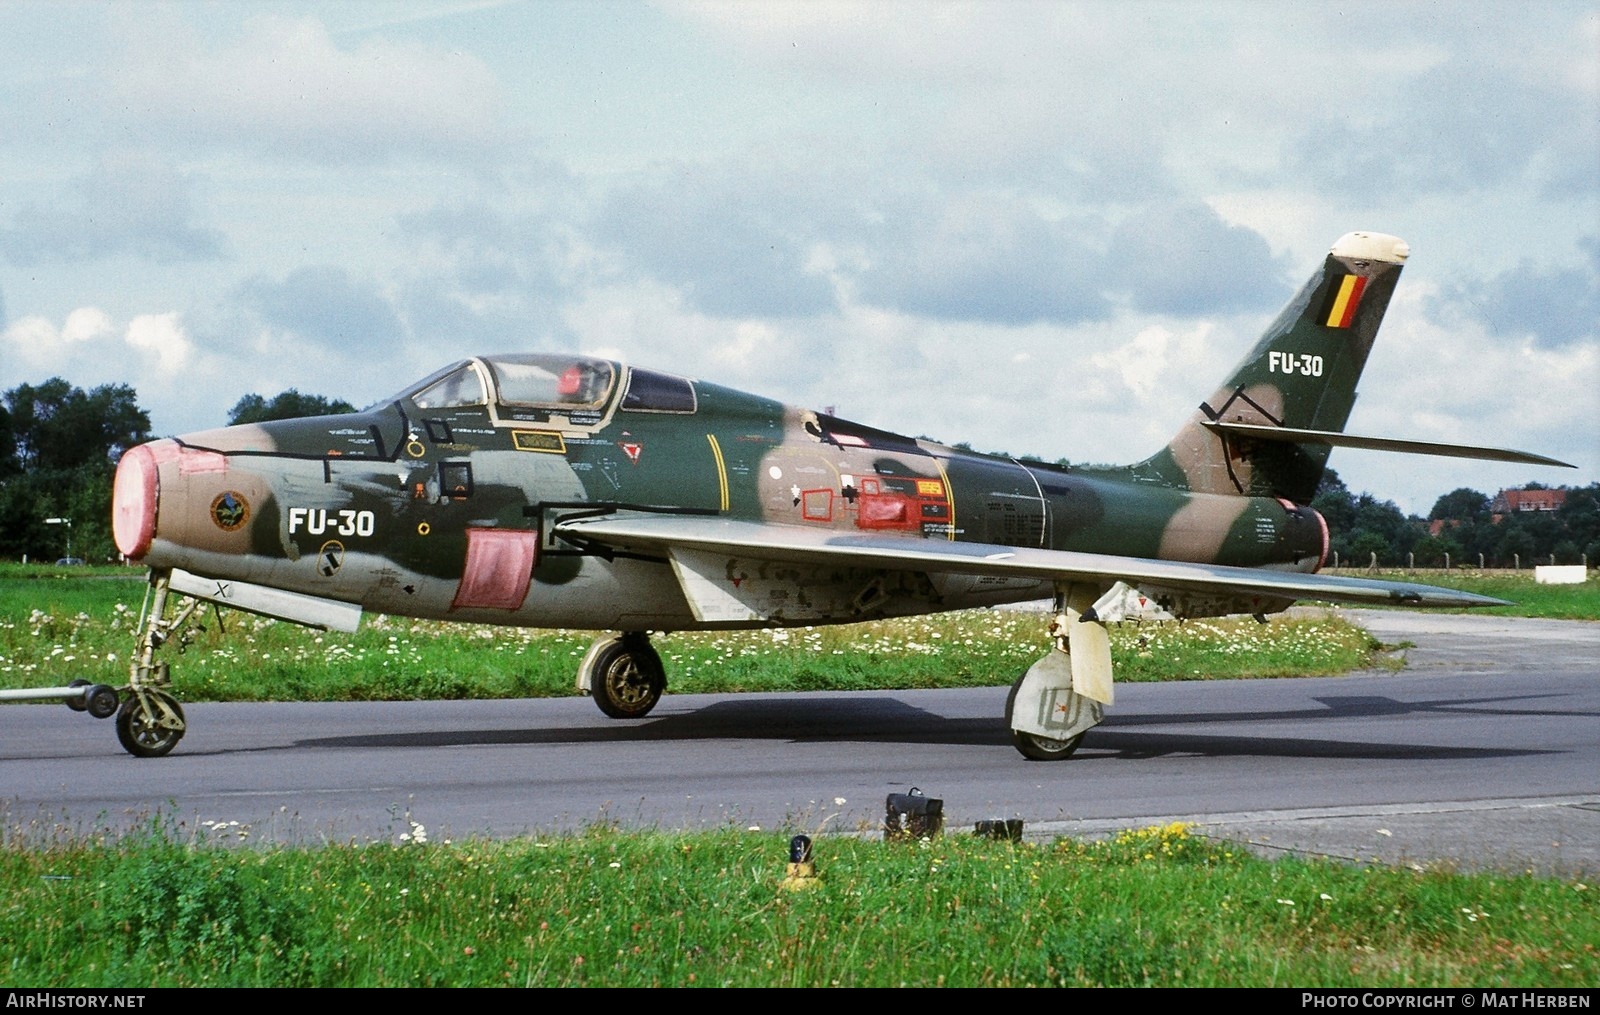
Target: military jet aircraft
x,y
560,490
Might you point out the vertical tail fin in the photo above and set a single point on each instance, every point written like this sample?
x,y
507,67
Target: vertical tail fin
x,y
1301,375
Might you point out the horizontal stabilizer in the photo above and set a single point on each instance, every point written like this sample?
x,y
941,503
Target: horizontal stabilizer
x,y
311,611
1335,439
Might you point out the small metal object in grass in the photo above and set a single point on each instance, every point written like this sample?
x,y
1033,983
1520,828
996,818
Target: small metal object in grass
x,y
802,870
1009,829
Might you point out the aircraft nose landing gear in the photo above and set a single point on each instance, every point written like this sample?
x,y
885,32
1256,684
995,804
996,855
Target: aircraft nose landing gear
x,y
150,721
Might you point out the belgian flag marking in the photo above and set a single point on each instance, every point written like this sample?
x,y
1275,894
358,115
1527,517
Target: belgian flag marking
x,y
1343,300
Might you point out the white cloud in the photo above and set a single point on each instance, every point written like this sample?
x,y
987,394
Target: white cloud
x,y
86,324
33,342
161,336
1457,382
860,205
283,83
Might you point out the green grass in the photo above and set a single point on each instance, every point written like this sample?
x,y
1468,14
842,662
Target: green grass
x,y
1529,598
60,624
54,629
173,906
605,908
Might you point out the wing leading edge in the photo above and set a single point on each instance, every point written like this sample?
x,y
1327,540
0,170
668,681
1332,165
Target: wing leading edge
x,y
676,536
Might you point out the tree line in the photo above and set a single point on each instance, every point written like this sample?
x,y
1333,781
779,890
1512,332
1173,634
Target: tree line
x,y
59,447
1460,530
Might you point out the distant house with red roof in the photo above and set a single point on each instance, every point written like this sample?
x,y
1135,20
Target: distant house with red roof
x,y
1508,502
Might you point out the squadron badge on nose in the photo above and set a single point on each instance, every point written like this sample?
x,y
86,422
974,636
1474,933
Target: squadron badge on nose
x,y
230,511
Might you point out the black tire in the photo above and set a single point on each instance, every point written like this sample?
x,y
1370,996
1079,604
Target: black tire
x,y
140,734
1031,745
101,701
627,679
80,704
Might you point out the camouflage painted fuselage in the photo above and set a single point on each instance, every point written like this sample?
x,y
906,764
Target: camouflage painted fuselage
x,y
446,500
430,511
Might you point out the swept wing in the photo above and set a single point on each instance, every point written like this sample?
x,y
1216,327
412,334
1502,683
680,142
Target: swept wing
x,y
681,536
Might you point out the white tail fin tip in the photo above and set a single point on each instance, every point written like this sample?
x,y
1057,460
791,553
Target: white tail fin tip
x,y
1372,247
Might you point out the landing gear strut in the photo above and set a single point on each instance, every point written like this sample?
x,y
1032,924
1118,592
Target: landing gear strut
x,y
150,721
624,674
1061,697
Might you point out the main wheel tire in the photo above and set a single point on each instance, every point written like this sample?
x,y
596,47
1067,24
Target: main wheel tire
x,y
628,679
1031,745
147,736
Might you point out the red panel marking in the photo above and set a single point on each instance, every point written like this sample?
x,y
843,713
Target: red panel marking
x,y
193,462
816,505
885,511
133,501
498,569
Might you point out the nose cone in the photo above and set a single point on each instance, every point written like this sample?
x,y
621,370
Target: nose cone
x,y
135,495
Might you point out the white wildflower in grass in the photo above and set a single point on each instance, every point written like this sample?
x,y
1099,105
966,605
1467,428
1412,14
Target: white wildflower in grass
x,y
1285,902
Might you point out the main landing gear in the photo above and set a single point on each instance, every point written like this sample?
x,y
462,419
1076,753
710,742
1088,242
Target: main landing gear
x,y
1048,710
1061,697
1035,746
623,673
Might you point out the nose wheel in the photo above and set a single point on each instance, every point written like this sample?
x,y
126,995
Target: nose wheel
x,y
150,724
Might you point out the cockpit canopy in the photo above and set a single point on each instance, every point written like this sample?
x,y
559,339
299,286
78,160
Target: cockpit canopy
x,y
555,381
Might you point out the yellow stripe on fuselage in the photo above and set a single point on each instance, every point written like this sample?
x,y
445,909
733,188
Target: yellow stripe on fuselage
x,y
949,497
722,468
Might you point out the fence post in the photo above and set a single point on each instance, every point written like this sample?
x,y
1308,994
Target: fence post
x,y
1480,562
1447,562
1516,562
1372,563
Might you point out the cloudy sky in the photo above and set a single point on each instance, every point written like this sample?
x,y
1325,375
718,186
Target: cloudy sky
x,y
1043,228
